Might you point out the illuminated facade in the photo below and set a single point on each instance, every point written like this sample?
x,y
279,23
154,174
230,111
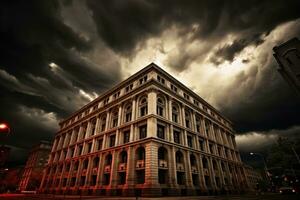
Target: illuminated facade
x,y
150,135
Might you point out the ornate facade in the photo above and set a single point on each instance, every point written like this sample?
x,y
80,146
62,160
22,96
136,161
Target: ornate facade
x,y
150,135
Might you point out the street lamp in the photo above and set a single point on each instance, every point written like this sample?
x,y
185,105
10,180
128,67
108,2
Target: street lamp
x,y
4,128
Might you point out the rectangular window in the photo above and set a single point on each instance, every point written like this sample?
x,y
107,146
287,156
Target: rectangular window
x,y
211,148
129,88
93,126
128,117
89,148
126,136
143,131
160,111
160,79
186,96
143,110
95,107
176,136
190,141
116,95
174,88
79,152
99,144
106,101
115,122
160,131
82,180
112,140
175,117
202,145
122,178
94,180
196,102
143,80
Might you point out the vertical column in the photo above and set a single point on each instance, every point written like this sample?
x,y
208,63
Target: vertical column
x,y
88,172
130,172
151,172
193,120
134,109
99,171
152,96
151,127
182,114
211,173
88,130
120,118
98,122
107,123
169,105
131,136
113,172
172,167
171,136
188,170
201,174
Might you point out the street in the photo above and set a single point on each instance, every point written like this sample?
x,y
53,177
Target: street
x,y
231,197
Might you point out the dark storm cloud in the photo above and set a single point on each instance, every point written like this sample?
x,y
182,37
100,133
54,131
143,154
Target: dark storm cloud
x,y
34,95
228,52
126,24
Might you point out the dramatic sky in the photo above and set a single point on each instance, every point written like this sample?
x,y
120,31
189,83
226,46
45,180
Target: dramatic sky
x,y
56,56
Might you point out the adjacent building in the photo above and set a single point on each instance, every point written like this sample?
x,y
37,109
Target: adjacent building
x,y
253,177
288,57
150,135
33,171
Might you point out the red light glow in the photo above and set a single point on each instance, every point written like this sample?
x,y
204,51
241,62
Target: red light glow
x,y
3,126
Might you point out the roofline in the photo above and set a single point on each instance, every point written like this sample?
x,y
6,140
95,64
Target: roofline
x,y
152,65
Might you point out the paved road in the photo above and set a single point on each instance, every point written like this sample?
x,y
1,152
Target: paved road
x,y
242,197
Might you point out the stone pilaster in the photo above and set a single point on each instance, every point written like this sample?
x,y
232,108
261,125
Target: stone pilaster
x,y
151,186
128,188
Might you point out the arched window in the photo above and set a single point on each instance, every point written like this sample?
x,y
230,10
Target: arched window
x,y
114,118
103,122
175,113
187,118
223,166
128,112
160,107
123,157
140,153
215,165
143,106
93,126
67,167
75,167
179,157
108,159
85,164
205,163
96,162
162,153
192,160
198,123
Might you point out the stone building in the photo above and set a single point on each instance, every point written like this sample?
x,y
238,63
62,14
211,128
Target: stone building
x,y
288,57
253,177
33,171
149,135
